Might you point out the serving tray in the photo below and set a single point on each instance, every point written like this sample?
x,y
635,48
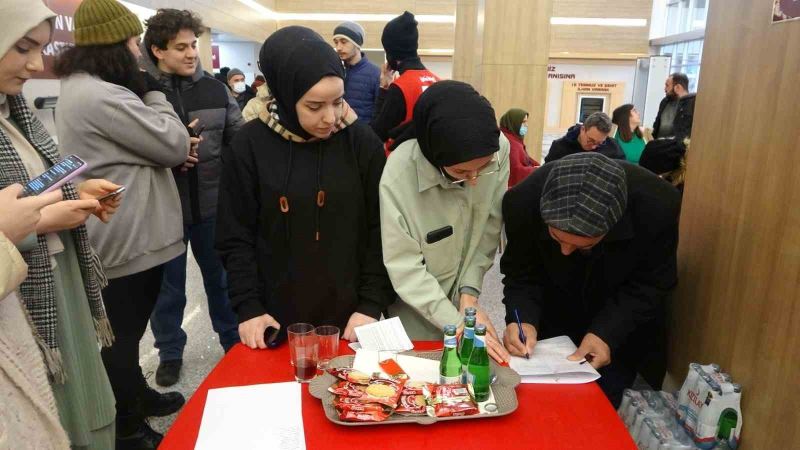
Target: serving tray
x,y
503,389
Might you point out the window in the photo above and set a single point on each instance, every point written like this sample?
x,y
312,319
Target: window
x,y
685,15
686,59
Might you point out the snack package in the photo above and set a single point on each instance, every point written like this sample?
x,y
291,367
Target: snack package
x,y
451,400
391,368
412,405
348,389
385,392
367,416
350,374
417,388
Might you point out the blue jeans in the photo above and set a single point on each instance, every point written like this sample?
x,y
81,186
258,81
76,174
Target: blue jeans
x,y
165,321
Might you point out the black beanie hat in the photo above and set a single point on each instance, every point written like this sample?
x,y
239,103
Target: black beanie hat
x,y
293,60
400,37
662,155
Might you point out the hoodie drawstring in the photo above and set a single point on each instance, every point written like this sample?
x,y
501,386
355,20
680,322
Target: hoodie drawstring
x,y
320,191
283,202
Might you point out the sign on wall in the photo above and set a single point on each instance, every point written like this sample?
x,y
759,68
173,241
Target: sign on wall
x,y
785,10
63,27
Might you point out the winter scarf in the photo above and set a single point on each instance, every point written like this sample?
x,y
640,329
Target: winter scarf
x,y
38,290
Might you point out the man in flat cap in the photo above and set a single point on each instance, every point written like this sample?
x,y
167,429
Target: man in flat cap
x,y
591,255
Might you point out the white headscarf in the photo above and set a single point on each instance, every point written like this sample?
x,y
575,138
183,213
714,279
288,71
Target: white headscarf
x,y
17,17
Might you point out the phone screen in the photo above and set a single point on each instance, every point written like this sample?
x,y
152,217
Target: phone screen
x,y
55,176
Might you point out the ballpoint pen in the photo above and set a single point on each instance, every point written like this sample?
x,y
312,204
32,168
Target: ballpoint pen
x,y
522,335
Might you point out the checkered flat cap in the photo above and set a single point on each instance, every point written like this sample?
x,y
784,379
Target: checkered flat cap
x,y
584,194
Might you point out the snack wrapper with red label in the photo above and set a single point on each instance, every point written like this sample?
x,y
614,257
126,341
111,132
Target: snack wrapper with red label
x,y
353,404
412,405
391,368
385,392
350,374
417,388
367,416
348,389
451,400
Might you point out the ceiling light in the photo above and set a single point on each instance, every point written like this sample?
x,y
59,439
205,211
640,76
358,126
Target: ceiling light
x,y
331,17
598,21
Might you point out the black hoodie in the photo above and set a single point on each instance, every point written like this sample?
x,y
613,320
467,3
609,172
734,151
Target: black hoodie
x,y
310,263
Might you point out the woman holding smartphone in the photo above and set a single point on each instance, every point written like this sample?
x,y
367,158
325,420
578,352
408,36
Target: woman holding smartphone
x,y
61,293
115,117
298,226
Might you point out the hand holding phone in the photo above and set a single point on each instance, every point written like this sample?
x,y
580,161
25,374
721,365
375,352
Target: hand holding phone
x,y
111,195
106,193
55,177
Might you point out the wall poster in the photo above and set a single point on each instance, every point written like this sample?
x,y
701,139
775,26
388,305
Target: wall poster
x,y
785,10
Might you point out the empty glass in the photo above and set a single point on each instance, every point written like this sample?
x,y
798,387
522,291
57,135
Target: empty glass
x,y
328,338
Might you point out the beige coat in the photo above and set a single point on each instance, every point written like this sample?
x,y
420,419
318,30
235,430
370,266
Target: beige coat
x,y
28,416
255,106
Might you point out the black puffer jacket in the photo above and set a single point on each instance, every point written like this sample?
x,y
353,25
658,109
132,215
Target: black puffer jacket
x,y
202,97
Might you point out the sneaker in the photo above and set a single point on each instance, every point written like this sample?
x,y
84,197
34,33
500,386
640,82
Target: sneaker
x,y
141,438
169,372
152,403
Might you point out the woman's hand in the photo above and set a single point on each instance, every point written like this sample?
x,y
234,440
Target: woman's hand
x,y
65,215
97,188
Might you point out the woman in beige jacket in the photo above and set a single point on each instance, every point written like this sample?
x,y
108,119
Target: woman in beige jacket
x,y
29,410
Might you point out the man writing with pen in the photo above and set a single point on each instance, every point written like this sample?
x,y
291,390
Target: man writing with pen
x,y
591,255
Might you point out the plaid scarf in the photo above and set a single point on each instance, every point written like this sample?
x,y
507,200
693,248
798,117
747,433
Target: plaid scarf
x,y
269,116
38,290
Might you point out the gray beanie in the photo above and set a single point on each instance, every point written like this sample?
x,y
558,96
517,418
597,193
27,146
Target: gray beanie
x,y
584,194
233,72
350,31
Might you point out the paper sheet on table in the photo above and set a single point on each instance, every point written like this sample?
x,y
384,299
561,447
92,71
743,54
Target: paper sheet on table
x,y
246,417
384,335
549,364
418,369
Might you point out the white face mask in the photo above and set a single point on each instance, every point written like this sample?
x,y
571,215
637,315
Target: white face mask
x,y
239,87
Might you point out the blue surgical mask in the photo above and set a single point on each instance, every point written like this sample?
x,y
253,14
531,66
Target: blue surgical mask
x,y
523,130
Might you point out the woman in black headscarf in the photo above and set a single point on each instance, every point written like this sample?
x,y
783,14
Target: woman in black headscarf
x,y
298,225
441,196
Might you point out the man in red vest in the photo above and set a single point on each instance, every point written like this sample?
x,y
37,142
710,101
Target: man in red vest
x,y
397,96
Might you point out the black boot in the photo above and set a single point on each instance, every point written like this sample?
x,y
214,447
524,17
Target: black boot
x,y
153,403
169,372
134,433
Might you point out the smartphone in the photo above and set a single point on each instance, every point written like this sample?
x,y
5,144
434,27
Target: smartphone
x,y
111,194
274,337
55,177
196,131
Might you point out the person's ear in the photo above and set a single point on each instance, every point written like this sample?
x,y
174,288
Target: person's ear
x,y
157,52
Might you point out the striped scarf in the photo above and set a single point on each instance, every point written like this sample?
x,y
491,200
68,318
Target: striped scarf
x,y
269,116
38,290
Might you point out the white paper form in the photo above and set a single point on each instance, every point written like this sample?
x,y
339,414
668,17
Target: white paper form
x,y
549,364
418,369
384,335
246,417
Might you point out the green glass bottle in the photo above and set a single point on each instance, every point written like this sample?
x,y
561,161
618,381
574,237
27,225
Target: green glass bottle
x,y
470,311
478,374
450,365
465,346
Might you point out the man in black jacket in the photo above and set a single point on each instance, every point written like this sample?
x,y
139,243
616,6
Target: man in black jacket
x,y
589,136
591,255
676,110
171,44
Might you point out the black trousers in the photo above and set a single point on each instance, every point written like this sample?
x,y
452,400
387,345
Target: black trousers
x,y
129,302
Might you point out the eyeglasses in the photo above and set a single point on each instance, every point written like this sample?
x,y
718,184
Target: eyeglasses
x,y
492,167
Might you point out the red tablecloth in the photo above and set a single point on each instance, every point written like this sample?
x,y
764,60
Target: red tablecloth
x,y
549,416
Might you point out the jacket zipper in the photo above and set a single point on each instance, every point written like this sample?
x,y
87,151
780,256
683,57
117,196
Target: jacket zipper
x,y
194,188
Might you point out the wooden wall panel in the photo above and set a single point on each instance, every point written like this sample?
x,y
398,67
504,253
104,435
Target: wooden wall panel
x,y
738,299
632,41
629,9
431,35
367,6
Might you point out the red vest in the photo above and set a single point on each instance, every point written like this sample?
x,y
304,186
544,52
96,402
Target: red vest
x,y
412,84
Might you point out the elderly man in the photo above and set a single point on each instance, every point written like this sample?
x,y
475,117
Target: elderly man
x,y
591,255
